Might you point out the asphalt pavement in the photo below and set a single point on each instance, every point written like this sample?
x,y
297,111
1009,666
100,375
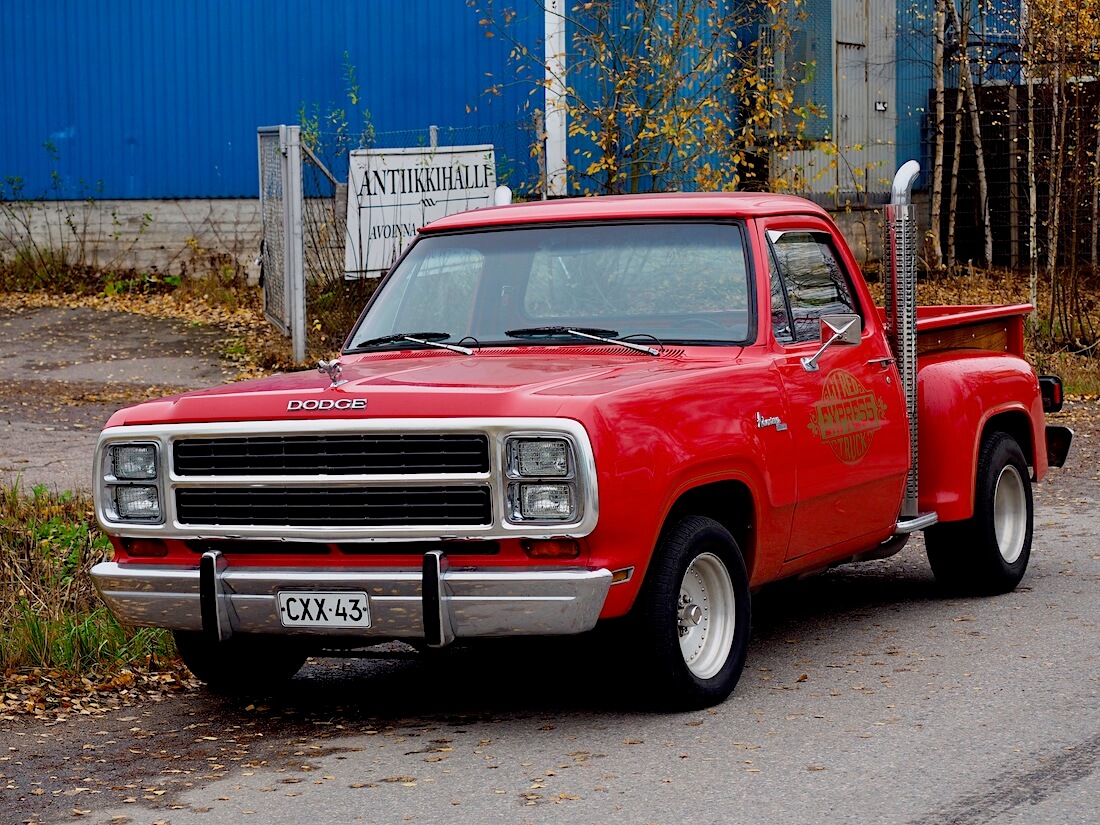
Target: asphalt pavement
x,y
64,371
867,697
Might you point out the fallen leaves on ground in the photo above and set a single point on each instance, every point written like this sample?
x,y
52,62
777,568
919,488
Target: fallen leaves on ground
x,y
53,695
976,287
250,338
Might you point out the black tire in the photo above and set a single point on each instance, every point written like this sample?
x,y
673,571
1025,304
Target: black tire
x,y
241,664
988,553
693,616
427,653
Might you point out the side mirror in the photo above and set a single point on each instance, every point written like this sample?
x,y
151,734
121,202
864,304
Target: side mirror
x,y
835,329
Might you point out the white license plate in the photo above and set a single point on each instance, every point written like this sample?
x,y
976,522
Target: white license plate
x,y
339,608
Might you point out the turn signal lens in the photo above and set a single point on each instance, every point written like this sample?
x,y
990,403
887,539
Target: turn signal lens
x,y
552,549
624,574
145,547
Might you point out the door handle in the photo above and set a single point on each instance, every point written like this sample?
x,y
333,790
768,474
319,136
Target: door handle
x,y
882,362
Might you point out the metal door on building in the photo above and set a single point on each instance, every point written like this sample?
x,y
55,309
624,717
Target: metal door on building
x,y
861,111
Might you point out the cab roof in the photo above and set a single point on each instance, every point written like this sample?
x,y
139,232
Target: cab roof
x,y
631,207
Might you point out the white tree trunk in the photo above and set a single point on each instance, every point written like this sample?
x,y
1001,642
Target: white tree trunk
x,y
966,84
1033,207
935,246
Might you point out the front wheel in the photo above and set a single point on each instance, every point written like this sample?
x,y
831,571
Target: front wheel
x,y
988,553
695,612
241,664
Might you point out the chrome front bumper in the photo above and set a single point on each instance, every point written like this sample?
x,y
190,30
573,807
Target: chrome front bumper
x,y
436,603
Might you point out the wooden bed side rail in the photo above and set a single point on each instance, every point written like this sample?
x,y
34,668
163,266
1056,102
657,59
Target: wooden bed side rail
x,y
993,328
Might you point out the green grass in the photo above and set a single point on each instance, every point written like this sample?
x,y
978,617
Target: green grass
x,y
50,615
30,269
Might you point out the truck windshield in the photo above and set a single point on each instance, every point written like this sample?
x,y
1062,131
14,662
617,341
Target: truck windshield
x,y
678,282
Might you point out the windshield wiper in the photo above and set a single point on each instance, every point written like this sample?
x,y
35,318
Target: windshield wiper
x,y
427,339
607,336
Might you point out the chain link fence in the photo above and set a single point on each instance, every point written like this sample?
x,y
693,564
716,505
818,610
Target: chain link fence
x,y
273,273
332,301
1040,143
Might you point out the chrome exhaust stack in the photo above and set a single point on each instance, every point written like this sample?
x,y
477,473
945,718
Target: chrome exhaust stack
x,y
900,251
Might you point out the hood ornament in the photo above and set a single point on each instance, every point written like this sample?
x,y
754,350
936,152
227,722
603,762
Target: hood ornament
x,y
332,369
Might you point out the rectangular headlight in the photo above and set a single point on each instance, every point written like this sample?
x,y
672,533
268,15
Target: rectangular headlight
x,y
138,502
133,462
539,458
546,502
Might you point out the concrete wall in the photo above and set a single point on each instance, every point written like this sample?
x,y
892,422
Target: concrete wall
x,y
159,236
862,229
171,236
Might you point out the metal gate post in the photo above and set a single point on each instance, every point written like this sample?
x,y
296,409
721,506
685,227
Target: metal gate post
x,y
272,246
290,138
282,251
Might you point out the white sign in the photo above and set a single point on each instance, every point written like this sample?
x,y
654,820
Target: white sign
x,y
394,192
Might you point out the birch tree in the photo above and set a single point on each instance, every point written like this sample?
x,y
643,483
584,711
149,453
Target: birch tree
x,y
1062,50
936,262
961,25
667,94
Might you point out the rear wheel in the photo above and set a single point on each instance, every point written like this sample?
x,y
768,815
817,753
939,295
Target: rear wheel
x,y
240,664
988,553
695,615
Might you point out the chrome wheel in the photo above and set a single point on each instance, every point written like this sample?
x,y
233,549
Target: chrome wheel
x,y
707,615
1010,514
691,623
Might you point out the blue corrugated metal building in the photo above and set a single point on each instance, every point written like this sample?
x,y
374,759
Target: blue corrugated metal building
x,y
138,99
994,44
128,99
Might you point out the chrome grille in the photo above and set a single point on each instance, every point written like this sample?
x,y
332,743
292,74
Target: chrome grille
x,y
332,481
466,505
344,454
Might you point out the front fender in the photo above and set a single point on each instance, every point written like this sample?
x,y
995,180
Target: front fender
x,y
959,396
653,449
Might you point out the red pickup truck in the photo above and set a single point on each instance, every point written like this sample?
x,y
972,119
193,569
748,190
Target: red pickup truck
x,y
551,415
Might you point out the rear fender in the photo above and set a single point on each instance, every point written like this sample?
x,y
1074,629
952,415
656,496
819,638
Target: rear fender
x,y
960,397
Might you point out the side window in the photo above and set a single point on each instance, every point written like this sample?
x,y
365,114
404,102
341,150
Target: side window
x,y
813,280
781,313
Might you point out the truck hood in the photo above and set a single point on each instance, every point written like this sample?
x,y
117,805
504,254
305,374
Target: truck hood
x,y
529,381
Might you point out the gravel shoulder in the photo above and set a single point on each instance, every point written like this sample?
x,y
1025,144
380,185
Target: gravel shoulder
x,y
64,371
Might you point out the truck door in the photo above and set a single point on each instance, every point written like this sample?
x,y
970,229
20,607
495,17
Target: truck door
x,y
848,418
